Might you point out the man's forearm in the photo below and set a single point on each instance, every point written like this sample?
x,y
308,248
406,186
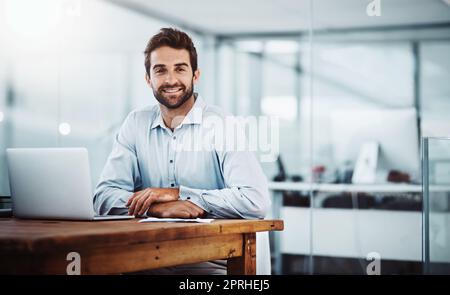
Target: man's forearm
x,y
176,209
139,203
242,202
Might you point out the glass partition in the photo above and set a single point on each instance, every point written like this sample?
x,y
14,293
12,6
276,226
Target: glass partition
x,y
354,94
436,214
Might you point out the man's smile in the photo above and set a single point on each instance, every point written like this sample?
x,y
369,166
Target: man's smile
x,y
172,90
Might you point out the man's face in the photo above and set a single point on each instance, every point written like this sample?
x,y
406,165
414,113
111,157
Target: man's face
x,y
171,77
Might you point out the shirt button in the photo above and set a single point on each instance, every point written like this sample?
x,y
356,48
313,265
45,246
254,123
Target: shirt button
x,y
172,184
174,137
188,198
171,161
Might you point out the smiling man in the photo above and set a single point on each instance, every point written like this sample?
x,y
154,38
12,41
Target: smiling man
x,y
148,174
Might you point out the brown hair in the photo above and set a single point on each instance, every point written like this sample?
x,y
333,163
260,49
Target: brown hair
x,y
172,38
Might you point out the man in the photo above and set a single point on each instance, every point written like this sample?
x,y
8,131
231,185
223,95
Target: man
x,y
148,174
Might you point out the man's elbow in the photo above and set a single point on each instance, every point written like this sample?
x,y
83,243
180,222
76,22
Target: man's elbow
x,y
262,211
261,208
100,202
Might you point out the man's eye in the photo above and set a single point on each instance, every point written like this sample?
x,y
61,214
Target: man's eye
x,y
181,70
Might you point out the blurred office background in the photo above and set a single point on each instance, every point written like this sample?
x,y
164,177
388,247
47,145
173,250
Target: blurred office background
x,y
343,79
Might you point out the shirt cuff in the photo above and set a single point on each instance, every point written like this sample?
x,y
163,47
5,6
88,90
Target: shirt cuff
x,y
119,206
195,196
114,205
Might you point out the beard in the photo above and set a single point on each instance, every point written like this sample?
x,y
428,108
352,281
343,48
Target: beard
x,y
173,101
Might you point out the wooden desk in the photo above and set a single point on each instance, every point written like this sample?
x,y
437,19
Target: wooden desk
x,y
111,247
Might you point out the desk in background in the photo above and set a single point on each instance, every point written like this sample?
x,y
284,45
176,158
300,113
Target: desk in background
x,y
330,221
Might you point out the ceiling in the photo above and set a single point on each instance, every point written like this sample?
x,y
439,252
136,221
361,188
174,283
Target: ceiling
x,y
274,16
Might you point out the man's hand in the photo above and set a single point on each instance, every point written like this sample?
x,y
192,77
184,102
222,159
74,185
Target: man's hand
x,y
142,200
176,209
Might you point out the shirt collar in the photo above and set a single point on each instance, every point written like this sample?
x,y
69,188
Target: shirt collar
x,y
194,116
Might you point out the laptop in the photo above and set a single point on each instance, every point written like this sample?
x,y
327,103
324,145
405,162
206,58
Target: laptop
x,y
52,183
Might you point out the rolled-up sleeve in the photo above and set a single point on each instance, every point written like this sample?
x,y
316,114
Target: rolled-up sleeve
x,y
246,193
120,176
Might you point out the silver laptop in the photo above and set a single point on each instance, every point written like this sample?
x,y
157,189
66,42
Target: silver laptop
x,y
52,183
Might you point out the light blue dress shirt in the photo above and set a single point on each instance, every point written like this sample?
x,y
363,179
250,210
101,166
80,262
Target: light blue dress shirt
x,y
146,153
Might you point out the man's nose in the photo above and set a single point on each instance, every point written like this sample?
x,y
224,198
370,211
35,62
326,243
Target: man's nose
x,y
170,79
